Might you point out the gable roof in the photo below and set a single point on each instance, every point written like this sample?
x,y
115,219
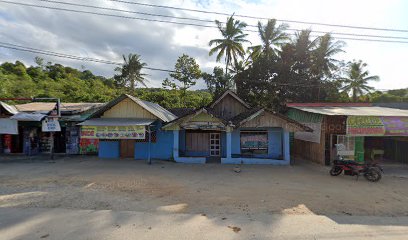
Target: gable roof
x,y
253,113
195,113
231,93
180,112
154,108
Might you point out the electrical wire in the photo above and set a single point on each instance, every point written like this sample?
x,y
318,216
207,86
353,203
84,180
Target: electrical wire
x,y
262,18
210,21
179,23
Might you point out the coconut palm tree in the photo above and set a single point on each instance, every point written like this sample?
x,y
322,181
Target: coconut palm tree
x,y
130,72
357,80
273,37
230,45
326,48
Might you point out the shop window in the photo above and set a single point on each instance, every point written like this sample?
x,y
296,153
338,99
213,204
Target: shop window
x,y
345,145
254,142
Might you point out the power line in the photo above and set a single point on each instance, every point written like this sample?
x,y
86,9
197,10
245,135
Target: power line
x,y
263,18
178,23
209,21
68,56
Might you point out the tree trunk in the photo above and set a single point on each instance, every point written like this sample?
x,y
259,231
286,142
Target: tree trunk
x,y
354,95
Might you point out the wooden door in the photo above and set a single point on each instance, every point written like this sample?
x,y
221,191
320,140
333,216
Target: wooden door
x,y
127,148
198,142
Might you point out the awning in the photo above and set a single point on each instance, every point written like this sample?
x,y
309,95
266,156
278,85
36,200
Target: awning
x,y
117,122
28,117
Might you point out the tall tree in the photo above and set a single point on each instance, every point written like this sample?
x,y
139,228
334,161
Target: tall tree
x,y
356,81
217,82
230,46
130,72
326,48
186,72
273,37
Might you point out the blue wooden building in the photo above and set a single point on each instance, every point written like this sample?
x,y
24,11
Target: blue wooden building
x,y
231,131
128,127
226,131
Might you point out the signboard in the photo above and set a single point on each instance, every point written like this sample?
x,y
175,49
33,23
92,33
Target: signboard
x,y
377,126
113,132
310,136
395,126
51,125
8,126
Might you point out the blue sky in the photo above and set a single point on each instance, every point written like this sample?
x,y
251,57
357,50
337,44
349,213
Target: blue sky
x,y
160,44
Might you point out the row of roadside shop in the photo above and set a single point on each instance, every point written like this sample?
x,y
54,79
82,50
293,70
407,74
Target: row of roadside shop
x,y
226,131
32,129
356,131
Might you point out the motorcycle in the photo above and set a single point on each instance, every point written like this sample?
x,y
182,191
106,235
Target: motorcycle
x,y
371,171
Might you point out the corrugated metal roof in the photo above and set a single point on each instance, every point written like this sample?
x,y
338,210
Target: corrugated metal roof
x,y
9,108
116,122
28,117
356,111
65,107
154,109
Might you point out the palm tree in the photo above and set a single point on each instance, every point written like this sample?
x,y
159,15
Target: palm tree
x,y
230,46
273,37
326,48
357,80
130,72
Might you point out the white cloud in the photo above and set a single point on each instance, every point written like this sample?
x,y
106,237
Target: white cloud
x,y
160,44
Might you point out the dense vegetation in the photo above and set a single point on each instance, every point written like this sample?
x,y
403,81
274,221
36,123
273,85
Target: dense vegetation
x,y
73,85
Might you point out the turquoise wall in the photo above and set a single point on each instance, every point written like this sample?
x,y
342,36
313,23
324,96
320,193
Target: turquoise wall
x,y
161,149
109,149
274,142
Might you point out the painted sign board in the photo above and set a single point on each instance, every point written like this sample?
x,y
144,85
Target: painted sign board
x,y
113,132
8,126
51,125
395,126
377,126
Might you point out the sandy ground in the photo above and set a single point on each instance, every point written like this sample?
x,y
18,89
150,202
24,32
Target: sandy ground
x,y
210,191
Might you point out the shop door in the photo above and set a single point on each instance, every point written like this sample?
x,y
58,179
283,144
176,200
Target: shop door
x,y
127,148
215,144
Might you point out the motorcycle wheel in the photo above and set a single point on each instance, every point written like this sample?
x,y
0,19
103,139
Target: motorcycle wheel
x,y
335,171
373,175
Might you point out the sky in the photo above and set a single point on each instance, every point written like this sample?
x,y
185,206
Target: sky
x,y
160,44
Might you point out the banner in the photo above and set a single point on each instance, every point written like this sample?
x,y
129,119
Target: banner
x,y
51,125
310,136
113,132
8,126
377,126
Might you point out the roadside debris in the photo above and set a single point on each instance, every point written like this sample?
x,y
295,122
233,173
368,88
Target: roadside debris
x,y
237,169
45,236
235,229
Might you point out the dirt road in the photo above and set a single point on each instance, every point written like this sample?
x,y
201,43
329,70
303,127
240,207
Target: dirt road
x,y
213,191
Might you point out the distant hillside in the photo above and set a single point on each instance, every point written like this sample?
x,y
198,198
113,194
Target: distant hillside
x,y
73,85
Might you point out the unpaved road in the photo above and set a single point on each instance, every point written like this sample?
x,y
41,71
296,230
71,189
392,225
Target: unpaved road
x,y
258,197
